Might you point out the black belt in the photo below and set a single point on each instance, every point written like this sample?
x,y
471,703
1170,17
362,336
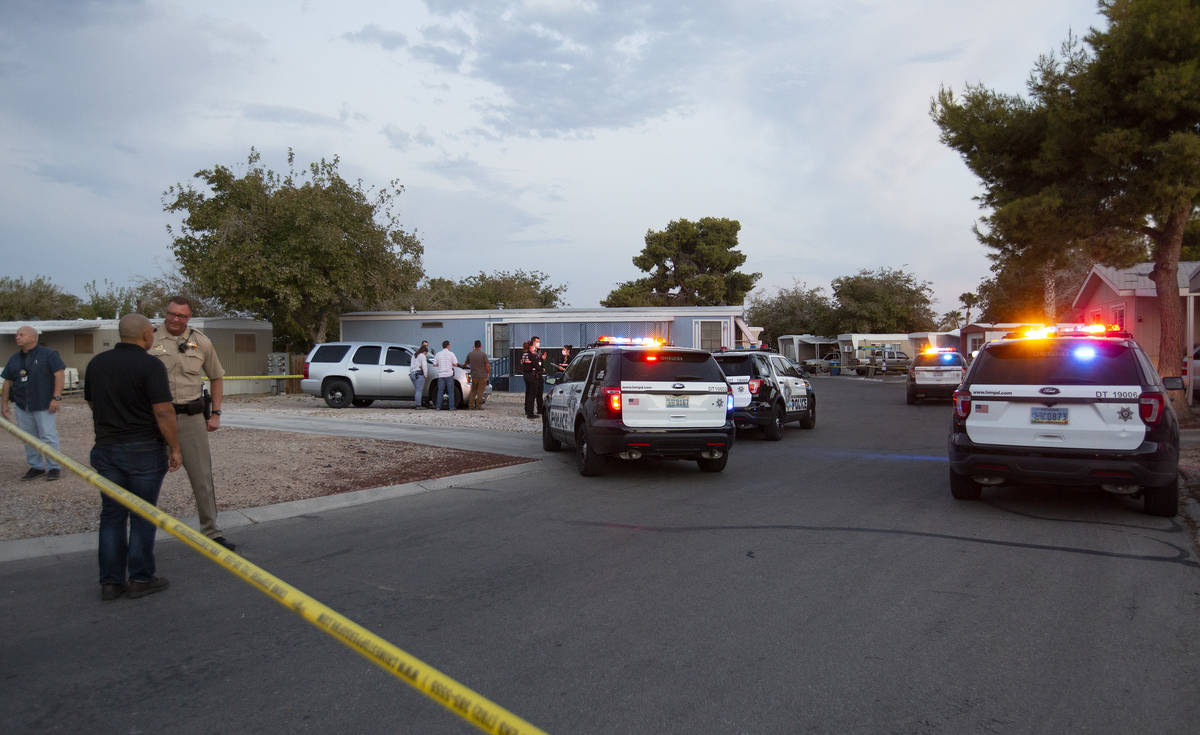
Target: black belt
x,y
191,408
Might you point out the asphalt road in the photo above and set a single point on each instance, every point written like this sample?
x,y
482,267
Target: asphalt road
x,y
824,583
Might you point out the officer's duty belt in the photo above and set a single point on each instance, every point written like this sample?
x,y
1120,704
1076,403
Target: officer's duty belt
x,y
190,408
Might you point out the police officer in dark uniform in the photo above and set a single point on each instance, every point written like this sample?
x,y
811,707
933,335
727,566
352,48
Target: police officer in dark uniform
x,y
533,370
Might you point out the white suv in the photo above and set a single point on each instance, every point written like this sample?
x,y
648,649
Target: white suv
x,y
1066,407
359,373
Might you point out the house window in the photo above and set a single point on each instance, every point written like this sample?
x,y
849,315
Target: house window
x,y
431,325
85,343
710,335
500,340
1118,316
244,343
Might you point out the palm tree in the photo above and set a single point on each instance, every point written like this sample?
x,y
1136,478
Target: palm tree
x,y
969,301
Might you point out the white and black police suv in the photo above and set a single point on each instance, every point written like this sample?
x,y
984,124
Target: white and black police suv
x,y
935,373
769,391
1079,406
628,399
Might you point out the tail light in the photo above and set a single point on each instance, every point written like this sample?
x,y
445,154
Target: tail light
x,y
962,403
306,369
612,400
755,384
729,399
1151,407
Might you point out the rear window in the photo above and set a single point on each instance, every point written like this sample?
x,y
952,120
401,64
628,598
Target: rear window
x,y
944,359
1056,362
738,365
330,353
666,365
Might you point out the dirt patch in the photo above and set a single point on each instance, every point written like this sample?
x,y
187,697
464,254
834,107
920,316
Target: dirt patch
x,y
251,468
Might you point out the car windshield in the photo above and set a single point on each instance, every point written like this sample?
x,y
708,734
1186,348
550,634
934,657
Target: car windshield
x,y
664,365
738,365
1056,362
941,359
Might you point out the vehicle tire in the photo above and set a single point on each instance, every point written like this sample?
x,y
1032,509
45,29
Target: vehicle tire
x,y
1162,500
774,431
549,443
910,397
809,419
590,463
459,401
963,487
713,465
362,402
338,393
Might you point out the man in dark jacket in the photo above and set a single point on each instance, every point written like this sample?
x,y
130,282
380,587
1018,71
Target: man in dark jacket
x,y
533,370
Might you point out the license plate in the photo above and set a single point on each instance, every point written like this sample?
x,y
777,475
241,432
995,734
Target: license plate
x,y
1048,416
677,401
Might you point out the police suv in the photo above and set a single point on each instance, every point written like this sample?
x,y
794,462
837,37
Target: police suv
x,y
768,391
628,399
1067,407
935,373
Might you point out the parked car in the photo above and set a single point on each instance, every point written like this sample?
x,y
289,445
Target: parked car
x,y
628,401
883,361
360,373
1067,408
822,364
769,391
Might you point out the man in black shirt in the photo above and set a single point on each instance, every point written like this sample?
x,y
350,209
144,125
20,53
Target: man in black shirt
x,y
137,442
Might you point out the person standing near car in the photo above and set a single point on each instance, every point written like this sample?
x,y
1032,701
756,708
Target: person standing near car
x,y
533,370
480,369
33,380
445,361
137,443
189,356
418,373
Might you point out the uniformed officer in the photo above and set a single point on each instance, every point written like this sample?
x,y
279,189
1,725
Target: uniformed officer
x,y
533,370
189,357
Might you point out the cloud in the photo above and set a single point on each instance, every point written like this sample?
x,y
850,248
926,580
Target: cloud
x,y
373,34
438,56
289,116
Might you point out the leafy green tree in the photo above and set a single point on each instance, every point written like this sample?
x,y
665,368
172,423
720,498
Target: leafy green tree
x,y
1104,156
37,298
109,301
950,321
795,310
1017,293
883,300
969,301
689,264
517,289
153,294
296,250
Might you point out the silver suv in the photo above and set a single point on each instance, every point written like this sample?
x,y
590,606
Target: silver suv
x,y
1067,408
359,373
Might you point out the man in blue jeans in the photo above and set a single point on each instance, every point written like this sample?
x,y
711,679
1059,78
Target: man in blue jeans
x,y
445,361
33,381
137,443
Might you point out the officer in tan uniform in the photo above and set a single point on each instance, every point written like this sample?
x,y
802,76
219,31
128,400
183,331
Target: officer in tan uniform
x,y
189,356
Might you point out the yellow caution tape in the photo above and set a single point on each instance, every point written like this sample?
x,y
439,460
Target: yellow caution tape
x,y
467,704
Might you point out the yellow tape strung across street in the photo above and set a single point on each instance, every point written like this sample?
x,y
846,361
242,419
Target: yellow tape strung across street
x,y
467,704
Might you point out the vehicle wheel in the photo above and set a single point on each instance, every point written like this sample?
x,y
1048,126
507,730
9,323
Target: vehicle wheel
x,y
459,401
362,402
590,463
774,430
910,397
1162,500
963,487
809,419
338,394
549,443
713,465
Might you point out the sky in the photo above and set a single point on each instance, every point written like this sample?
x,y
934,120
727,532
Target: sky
x,y
542,135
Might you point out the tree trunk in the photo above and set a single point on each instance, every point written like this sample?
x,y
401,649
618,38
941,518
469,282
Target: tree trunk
x,y
1167,245
1049,294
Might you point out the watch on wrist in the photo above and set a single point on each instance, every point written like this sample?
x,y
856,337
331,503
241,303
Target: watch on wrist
x,y
57,398
216,412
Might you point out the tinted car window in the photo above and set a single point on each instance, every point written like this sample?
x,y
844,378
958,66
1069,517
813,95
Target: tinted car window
x,y
1056,362
577,370
367,355
738,365
398,356
330,353
944,359
664,365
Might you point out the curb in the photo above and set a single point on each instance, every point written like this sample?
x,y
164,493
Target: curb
x,y
33,548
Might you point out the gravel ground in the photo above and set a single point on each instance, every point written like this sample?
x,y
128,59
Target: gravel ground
x,y
252,468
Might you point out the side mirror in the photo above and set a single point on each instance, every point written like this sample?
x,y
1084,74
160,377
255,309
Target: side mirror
x,y
1173,383
550,380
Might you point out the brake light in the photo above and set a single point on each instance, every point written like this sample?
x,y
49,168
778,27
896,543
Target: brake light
x,y
755,384
729,399
612,400
305,369
962,403
1151,407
